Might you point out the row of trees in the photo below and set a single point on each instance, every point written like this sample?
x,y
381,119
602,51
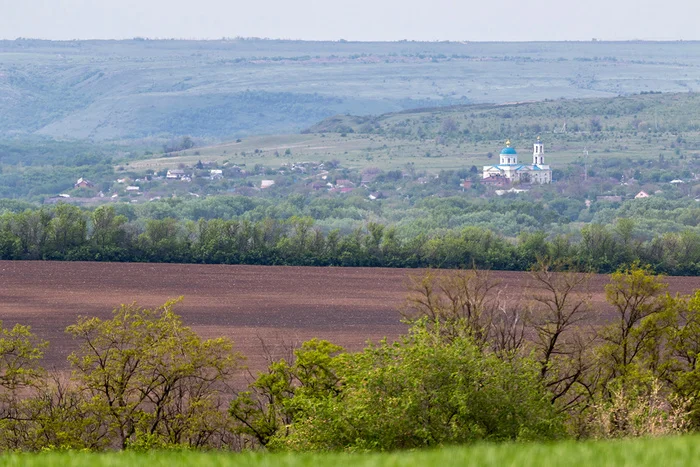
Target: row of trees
x,y
69,233
476,364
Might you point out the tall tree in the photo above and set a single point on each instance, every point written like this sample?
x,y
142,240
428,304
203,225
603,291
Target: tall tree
x,y
151,376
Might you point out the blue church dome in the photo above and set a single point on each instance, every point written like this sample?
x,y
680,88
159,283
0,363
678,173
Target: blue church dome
x,y
508,150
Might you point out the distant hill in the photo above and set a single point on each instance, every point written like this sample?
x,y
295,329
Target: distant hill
x,y
640,127
115,90
597,118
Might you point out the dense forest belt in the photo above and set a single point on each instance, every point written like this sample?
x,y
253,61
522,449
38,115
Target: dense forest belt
x,y
277,305
68,233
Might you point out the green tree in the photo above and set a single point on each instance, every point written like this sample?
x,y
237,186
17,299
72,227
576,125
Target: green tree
x,y
625,231
20,371
68,230
20,353
10,245
683,368
33,229
163,240
269,406
532,247
150,376
598,247
641,307
107,228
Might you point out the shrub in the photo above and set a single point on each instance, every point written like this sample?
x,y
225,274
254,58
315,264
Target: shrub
x,y
423,391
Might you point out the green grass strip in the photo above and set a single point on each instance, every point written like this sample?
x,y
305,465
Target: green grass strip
x,y
669,452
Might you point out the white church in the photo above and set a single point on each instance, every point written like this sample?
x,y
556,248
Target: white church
x,y
509,168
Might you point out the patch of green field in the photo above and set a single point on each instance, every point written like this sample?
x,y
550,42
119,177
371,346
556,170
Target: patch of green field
x,y
673,451
352,151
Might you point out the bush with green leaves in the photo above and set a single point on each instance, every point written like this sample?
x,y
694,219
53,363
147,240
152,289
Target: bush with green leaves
x,y
425,390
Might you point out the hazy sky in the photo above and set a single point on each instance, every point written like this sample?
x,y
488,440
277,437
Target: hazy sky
x,y
482,20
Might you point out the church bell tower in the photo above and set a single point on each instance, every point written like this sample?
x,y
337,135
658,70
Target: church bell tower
x,y
538,153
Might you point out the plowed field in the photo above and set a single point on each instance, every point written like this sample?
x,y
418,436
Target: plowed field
x,y
250,304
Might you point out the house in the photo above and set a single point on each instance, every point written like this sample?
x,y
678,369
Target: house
x,y
132,188
344,184
641,194
83,183
376,195
266,184
175,174
298,168
216,174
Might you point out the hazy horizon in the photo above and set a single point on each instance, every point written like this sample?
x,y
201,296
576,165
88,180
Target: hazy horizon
x,y
363,20
369,41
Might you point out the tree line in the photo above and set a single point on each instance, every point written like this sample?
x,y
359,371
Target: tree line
x,y
68,233
475,364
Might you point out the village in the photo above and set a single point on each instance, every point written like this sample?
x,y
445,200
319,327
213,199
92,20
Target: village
x,y
509,177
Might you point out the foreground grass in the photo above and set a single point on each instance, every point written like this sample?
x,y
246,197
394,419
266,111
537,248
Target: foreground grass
x,y
675,451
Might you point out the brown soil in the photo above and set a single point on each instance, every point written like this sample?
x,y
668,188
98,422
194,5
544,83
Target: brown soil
x,y
280,306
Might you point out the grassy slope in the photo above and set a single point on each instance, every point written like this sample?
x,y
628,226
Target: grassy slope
x,y
131,89
628,129
678,451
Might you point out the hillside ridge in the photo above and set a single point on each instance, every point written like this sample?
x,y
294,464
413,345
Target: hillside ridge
x,y
116,90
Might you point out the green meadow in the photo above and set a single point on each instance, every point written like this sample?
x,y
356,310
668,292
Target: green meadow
x,y
670,452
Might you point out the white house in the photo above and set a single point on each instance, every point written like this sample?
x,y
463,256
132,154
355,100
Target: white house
x,y
510,169
175,174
